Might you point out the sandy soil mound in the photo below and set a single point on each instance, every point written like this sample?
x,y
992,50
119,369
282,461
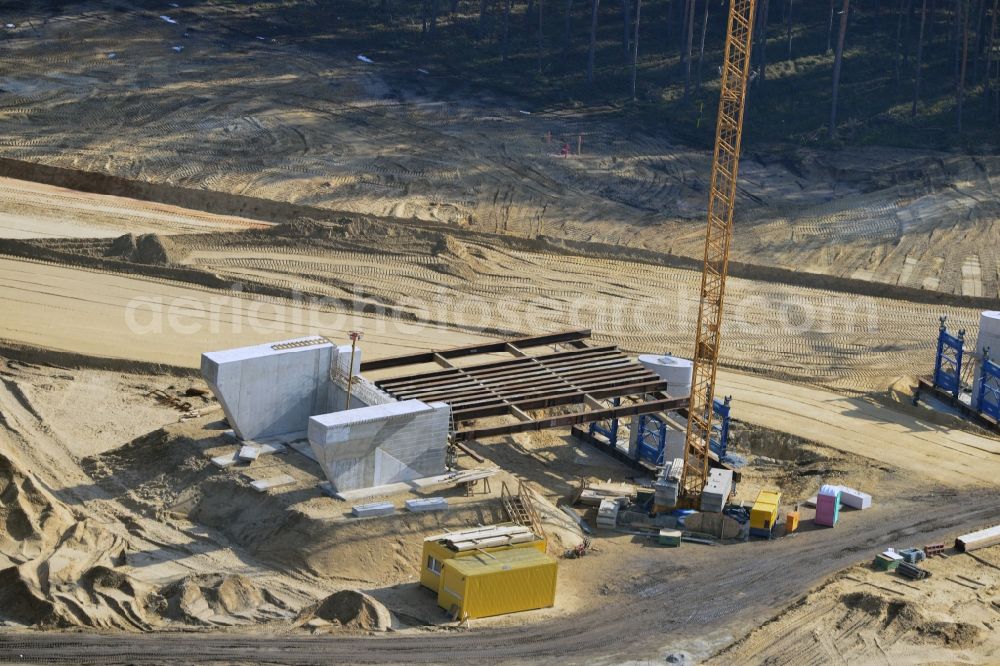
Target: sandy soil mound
x,y
151,249
349,609
58,570
898,615
957,635
218,599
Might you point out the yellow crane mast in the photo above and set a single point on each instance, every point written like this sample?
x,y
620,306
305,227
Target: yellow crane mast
x,y
721,202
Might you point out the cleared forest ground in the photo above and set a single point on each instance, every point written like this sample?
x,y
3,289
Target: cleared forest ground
x,y
212,101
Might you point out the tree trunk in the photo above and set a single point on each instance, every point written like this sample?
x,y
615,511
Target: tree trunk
x,y
541,44
991,89
957,40
920,61
838,58
977,48
506,30
635,46
896,57
964,8
568,35
627,21
688,48
682,26
482,18
788,29
593,41
701,47
906,33
762,40
434,17
829,30
930,23
667,25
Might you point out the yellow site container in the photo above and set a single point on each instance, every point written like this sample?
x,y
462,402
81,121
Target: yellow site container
x,y
489,584
443,547
764,513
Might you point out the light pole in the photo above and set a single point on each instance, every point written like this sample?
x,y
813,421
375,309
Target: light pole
x,y
355,336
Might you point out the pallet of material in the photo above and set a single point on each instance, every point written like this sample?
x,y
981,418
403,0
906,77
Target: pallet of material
x,y
373,509
883,563
933,549
670,538
717,490
976,540
594,494
485,537
607,513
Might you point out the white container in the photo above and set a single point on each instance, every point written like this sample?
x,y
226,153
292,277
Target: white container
x,y
989,334
675,371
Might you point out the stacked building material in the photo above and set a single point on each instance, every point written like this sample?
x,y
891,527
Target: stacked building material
x,y
607,513
670,538
828,506
373,509
932,549
912,571
913,555
885,563
594,494
717,490
667,487
427,504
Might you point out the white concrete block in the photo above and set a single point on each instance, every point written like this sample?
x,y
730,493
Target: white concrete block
x,y
227,460
264,485
249,453
373,509
427,504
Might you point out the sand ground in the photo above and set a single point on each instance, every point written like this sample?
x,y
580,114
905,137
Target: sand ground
x,y
116,520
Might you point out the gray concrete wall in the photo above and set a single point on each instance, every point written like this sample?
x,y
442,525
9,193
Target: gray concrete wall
x,y
267,392
382,444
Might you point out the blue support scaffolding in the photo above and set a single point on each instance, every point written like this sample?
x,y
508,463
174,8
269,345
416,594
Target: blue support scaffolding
x,y
720,426
652,439
948,363
988,398
608,428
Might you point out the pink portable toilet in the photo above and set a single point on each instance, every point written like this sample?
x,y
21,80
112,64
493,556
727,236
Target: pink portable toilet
x,y
828,506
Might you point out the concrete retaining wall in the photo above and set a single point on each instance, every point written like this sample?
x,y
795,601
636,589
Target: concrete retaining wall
x,y
266,392
382,444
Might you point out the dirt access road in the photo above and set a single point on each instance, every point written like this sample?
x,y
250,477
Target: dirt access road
x,y
693,611
35,210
